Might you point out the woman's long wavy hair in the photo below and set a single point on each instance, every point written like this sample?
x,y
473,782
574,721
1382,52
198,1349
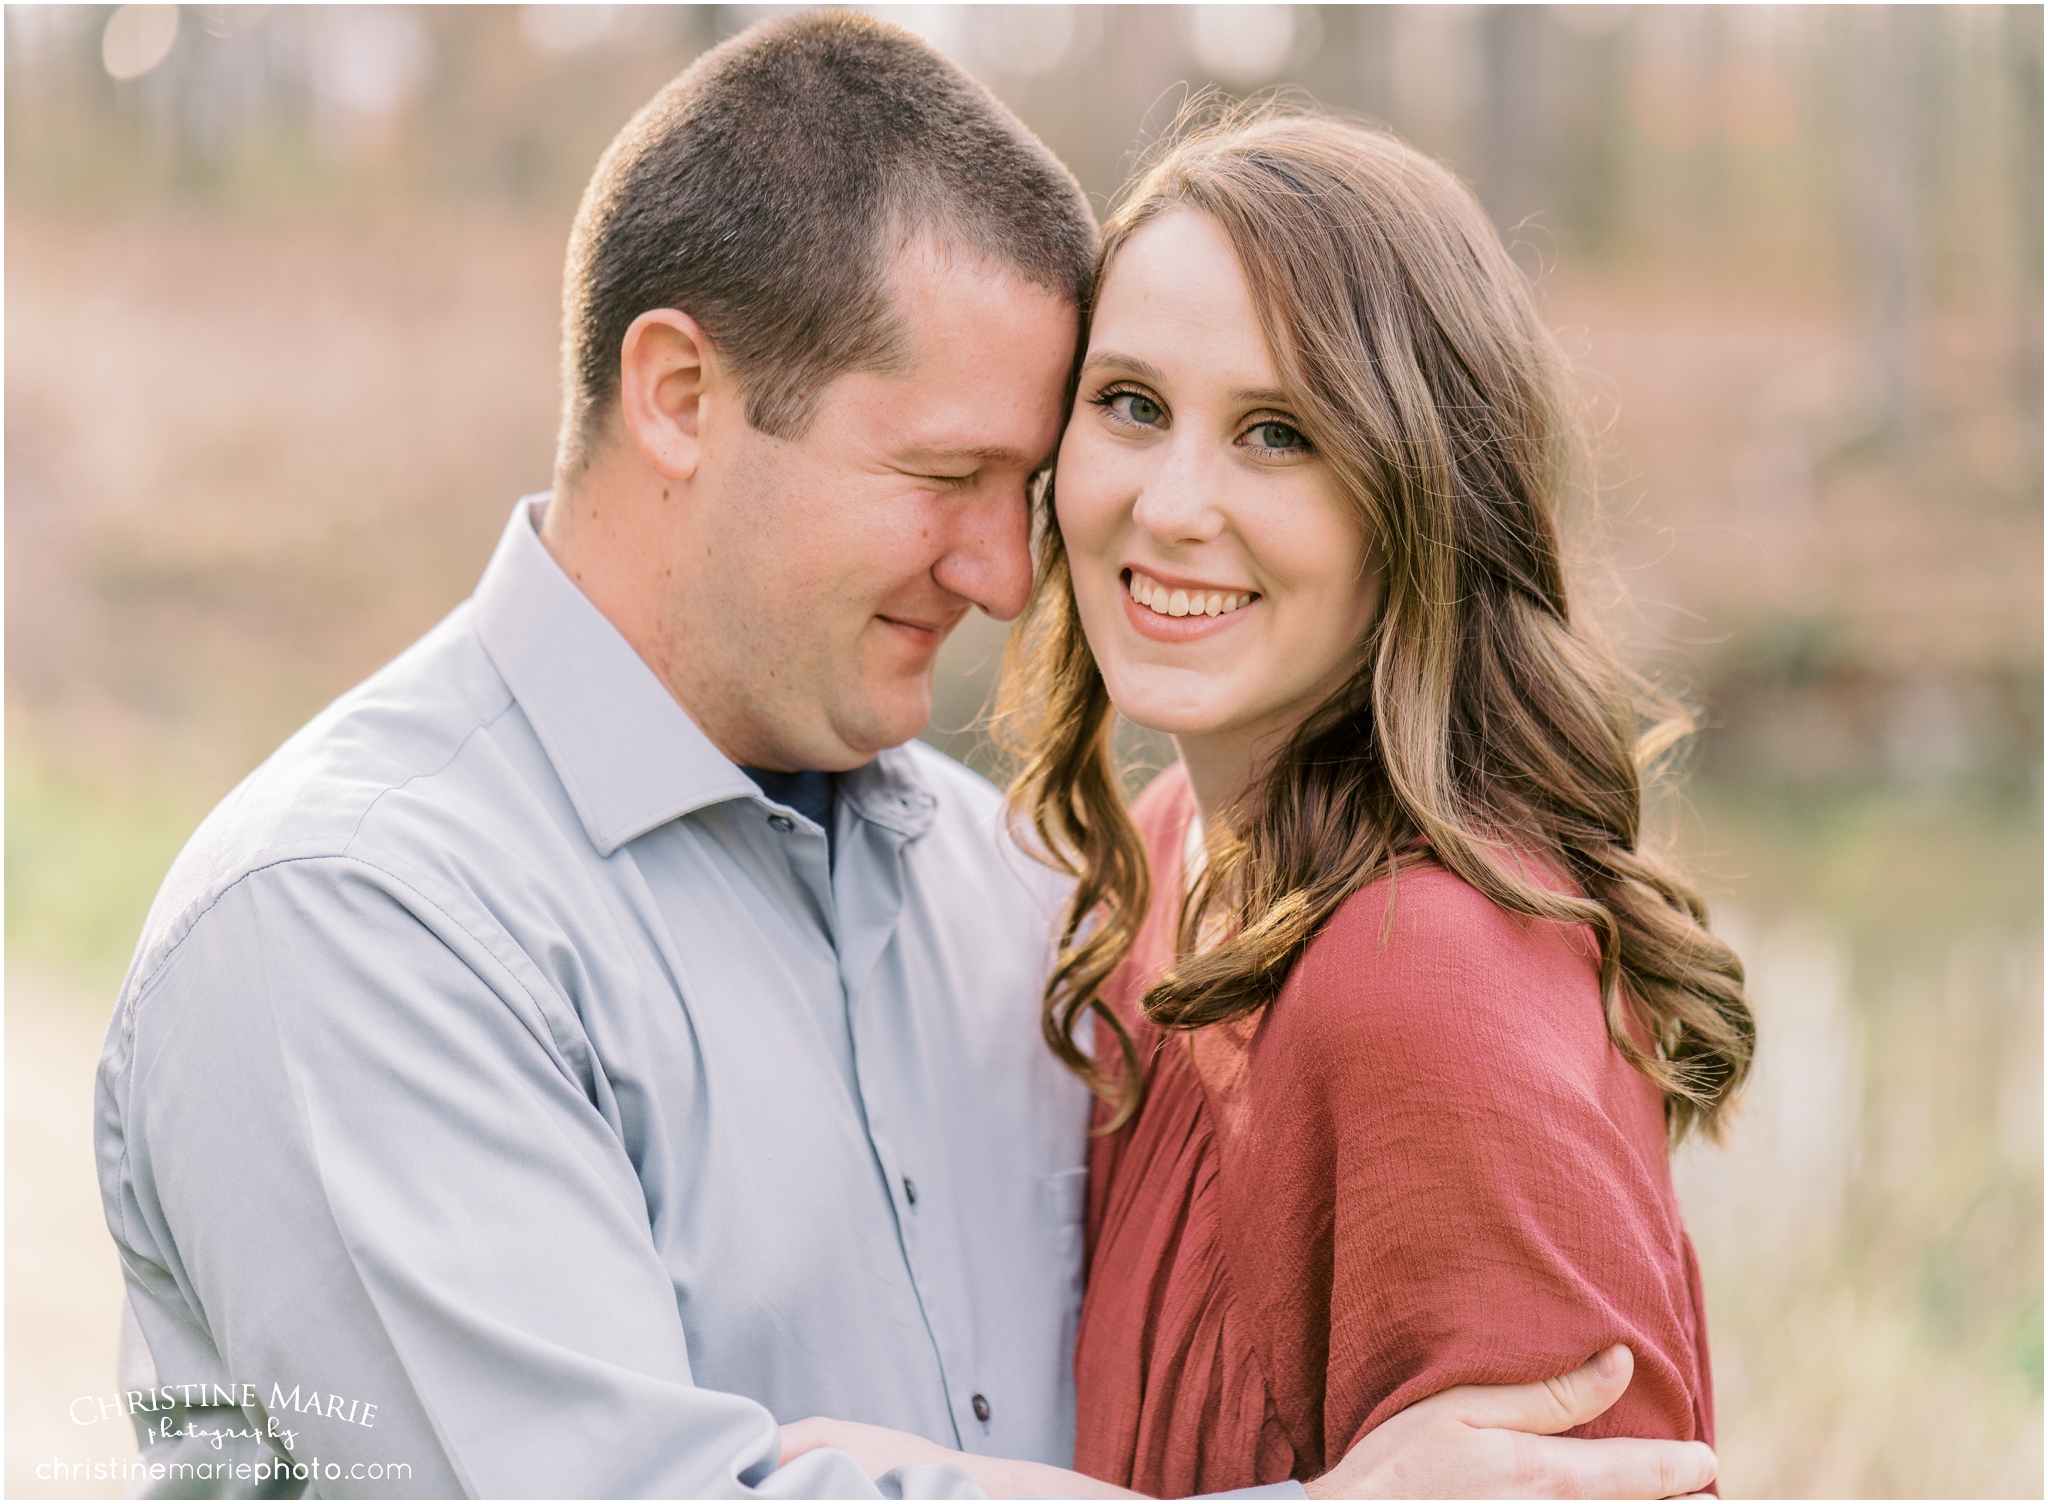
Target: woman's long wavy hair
x,y
1483,726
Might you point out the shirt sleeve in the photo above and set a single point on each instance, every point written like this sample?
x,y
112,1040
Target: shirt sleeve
x,y
1473,1184
373,1204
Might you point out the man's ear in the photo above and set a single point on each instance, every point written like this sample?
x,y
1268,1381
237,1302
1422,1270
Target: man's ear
x,y
666,366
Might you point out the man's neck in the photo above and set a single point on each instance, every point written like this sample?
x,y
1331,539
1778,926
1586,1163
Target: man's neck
x,y
612,534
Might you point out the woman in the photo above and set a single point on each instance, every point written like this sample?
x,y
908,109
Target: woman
x,y
1393,1021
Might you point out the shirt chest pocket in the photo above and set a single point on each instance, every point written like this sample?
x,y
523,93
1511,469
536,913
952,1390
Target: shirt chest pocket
x,y
1063,1197
1063,1200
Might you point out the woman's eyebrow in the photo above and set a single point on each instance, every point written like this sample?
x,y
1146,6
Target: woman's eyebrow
x,y
1131,363
1149,372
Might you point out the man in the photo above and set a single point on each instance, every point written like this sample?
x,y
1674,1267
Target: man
x,y
599,1036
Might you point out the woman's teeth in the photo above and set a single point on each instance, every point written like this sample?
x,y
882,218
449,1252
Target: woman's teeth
x,y
1149,593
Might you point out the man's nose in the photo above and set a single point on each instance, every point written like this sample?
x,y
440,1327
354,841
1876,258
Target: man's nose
x,y
989,558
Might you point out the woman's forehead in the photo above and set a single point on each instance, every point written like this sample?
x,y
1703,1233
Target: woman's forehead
x,y
1175,293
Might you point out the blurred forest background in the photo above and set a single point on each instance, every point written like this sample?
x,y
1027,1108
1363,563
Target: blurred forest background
x,y
281,314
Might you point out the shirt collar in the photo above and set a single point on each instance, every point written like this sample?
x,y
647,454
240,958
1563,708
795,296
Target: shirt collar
x,y
891,792
628,754
630,757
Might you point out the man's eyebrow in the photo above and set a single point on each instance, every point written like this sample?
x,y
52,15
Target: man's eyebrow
x,y
989,455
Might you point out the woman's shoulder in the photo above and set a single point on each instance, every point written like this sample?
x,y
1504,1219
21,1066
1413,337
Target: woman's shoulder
x,y
1423,1014
1423,962
1425,914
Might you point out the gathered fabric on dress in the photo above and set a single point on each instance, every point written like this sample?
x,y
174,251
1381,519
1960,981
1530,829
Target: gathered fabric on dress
x,y
1424,1164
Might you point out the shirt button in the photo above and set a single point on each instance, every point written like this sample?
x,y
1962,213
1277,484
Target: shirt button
x,y
981,1407
910,1190
782,823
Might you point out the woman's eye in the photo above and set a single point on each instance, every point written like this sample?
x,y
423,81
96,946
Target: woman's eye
x,y
1137,408
1271,435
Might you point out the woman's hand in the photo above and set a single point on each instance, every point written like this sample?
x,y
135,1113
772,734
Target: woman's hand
x,y
878,1449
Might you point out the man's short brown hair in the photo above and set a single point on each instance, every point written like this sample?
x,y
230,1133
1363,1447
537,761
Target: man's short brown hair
x,y
764,192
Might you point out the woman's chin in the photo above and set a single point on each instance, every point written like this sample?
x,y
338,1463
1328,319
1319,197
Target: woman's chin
x,y
1168,714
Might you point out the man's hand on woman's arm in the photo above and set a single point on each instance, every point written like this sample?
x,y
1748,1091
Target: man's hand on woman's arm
x,y
1477,1441
1482,1441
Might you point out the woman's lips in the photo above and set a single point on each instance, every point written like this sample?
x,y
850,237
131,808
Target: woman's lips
x,y
1180,613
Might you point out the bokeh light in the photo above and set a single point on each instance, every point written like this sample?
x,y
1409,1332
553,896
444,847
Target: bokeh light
x,y
137,38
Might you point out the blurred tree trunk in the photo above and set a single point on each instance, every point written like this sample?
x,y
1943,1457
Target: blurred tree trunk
x,y
2023,52
1514,59
1889,204
1372,51
1587,176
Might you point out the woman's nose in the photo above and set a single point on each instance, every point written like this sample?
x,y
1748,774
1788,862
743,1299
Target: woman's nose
x,y
1182,500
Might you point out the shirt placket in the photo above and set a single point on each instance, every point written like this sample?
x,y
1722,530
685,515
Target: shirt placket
x,y
869,888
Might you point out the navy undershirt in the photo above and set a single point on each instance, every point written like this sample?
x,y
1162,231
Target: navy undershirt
x,y
810,794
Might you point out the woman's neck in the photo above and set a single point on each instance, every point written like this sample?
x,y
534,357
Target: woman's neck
x,y
1220,767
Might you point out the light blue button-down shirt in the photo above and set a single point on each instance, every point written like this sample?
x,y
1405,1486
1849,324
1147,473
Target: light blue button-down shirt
x,y
498,1056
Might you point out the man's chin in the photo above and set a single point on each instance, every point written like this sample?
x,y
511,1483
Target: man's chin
x,y
887,718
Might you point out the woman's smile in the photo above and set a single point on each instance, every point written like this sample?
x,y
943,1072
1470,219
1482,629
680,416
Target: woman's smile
x,y
1167,610
1165,598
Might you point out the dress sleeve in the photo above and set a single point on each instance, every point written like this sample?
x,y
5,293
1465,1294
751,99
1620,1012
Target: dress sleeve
x,y
1471,1184
373,1218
